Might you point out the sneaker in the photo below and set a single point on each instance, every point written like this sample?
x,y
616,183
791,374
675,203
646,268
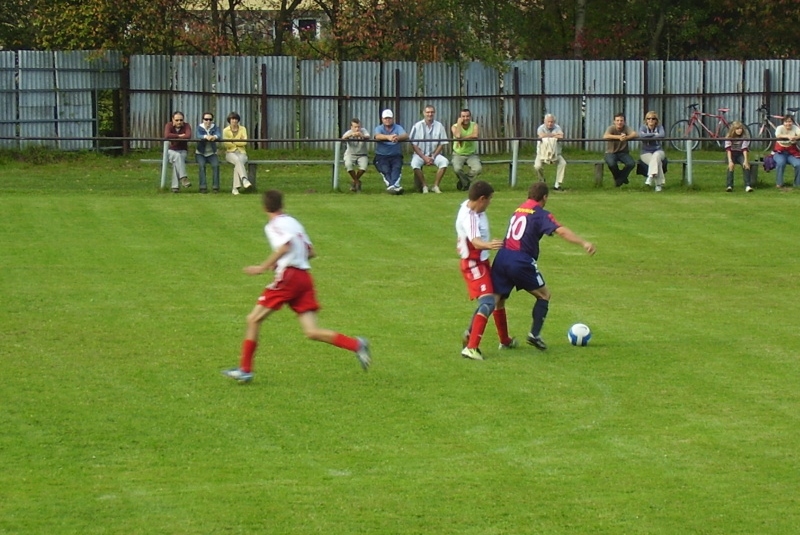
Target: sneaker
x,y
424,189
464,339
472,353
391,189
748,189
658,188
185,182
246,184
363,353
729,189
235,191
398,190
512,344
649,181
176,190
436,189
536,342
557,187
238,375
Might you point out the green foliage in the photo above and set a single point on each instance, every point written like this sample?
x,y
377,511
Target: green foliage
x,y
121,305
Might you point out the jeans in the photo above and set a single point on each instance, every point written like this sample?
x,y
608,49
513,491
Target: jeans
x,y
612,160
781,159
213,160
390,167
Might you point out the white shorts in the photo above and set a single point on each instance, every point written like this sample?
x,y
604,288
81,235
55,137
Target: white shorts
x,y
351,160
440,162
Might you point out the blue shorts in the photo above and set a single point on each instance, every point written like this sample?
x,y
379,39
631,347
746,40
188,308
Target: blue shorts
x,y
512,269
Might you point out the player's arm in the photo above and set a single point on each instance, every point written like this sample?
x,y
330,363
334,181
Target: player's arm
x,y
571,237
481,245
271,261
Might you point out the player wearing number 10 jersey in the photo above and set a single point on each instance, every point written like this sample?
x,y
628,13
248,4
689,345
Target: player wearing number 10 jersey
x,y
515,265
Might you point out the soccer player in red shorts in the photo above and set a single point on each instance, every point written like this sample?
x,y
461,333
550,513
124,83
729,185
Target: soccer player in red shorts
x,y
472,229
293,286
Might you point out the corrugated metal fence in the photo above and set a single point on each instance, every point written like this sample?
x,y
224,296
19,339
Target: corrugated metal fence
x,y
54,94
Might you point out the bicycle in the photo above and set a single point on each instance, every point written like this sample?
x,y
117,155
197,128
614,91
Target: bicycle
x,y
693,128
763,131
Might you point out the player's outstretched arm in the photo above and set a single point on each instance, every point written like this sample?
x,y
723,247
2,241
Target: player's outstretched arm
x,y
571,237
271,261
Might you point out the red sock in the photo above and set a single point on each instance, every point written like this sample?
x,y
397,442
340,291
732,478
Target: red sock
x,y
476,331
501,323
346,342
248,350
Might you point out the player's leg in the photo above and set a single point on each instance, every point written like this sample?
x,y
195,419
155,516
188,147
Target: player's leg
x,y
244,373
312,331
501,323
539,314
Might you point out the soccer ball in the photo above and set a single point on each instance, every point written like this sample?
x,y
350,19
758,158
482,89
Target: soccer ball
x,y
579,334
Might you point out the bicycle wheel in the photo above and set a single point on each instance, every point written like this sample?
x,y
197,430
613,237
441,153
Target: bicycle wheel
x,y
721,135
684,129
760,135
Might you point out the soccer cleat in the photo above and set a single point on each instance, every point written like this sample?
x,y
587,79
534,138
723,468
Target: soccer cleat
x,y
536,342
436,189
748,189
472,353
238,375
363,353
512,344
246,184
464,339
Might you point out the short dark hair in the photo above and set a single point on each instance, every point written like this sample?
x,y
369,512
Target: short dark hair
x,y
619,114
538,191
273,201
355,120
174,113
233,115
480,188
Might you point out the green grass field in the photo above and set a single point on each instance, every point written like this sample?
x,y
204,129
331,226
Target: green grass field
x,y
121,304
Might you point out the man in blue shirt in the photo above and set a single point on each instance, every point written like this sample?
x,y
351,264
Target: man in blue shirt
x,y
389,152
515,264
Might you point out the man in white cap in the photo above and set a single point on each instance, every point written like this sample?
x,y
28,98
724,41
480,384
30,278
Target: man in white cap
x,y
389,152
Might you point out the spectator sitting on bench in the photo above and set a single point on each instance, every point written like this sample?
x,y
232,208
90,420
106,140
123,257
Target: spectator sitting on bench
x,y
548,150
617,136
206,152
178,133
235,136
651,133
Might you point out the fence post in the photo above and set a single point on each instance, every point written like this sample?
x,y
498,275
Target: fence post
x,y
336,159
512,179
164,164
689,162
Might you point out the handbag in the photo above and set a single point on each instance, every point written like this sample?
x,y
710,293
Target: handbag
x,y
769,162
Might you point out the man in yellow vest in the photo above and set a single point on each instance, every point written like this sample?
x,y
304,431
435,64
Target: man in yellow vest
x,y
465,149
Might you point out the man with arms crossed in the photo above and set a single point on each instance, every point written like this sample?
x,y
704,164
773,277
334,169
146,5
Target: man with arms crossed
x,y
548,149
515,264
473,245
293,286
465,149
389,152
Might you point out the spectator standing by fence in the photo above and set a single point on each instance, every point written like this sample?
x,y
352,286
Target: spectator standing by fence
x,y
206,152
786,150
736,147
389,153
617,151
178,133
355,153
651,133
235,136
428,140
465,149
548,149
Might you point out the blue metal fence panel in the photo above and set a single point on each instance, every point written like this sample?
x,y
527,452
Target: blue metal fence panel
x,y
37,98
236,86
192,80
441,89
683,85
281,104
523,112
404,73
360,91
319,116
759,76
150,78
634,95
653,73
75,99
605,96
726,79
481,91
8,99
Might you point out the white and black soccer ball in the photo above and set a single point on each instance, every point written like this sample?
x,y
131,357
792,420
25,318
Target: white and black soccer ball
x,y
579,334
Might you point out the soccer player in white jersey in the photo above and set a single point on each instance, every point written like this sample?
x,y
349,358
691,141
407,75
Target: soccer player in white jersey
x,y
292,285
474,244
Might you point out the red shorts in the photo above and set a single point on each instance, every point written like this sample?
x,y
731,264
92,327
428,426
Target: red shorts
x,y
295,287
477,274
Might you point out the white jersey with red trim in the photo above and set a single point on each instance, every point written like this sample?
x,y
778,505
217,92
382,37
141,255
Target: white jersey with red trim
x,y
471,225
284,229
